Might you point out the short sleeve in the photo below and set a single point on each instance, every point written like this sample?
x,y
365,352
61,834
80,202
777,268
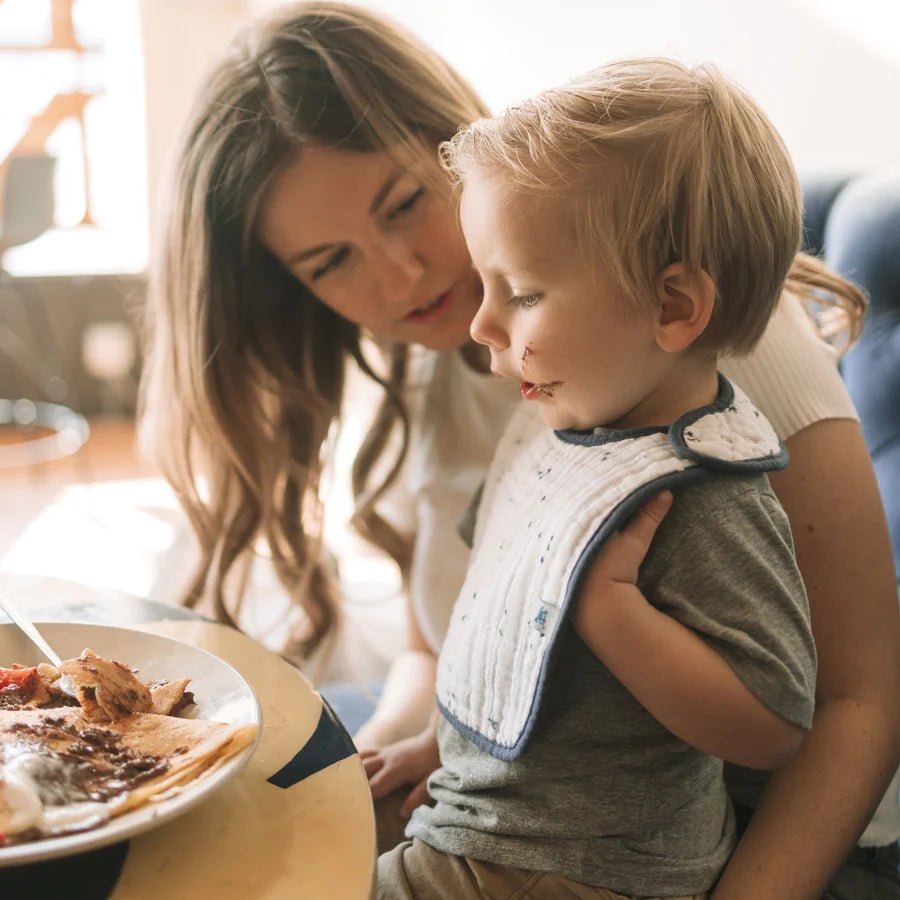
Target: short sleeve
x,y
792,374
723,565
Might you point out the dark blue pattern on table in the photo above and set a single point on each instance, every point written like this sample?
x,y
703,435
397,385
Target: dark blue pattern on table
x,y
87,876
329,744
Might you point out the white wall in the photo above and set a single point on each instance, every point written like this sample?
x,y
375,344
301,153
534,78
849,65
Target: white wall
x,y
180,40
826,71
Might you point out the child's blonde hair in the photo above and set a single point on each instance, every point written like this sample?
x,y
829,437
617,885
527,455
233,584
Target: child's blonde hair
x,y
663,163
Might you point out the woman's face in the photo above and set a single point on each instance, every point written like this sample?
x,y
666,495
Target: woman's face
x,y
374,243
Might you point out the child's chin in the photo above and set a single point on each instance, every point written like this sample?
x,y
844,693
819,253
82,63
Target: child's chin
x,y
554,420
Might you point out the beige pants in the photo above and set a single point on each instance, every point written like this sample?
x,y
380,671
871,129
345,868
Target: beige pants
x,y
415,871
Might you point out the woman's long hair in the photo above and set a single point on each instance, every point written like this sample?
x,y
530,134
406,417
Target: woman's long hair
x,y
837,306
244,373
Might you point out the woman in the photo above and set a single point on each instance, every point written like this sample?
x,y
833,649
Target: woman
x,y
311,229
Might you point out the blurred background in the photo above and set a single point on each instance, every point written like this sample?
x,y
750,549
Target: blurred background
x,y
92,96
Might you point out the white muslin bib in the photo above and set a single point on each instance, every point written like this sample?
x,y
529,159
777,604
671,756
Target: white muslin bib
x,y
550,500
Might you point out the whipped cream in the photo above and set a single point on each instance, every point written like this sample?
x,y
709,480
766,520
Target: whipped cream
x,y
34,794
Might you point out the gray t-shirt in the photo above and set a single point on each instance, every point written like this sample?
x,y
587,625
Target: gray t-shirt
x,y
604,794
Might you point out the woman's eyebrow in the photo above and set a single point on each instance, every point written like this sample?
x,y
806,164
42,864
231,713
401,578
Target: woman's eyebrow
x,y
378,199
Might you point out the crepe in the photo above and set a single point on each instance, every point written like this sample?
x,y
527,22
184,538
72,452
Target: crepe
x,y
106,689
73,768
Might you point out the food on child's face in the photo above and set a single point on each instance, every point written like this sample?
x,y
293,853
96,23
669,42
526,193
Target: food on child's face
x,y
529,389
67,768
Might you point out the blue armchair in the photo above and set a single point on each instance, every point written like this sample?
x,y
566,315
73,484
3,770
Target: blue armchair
x,y
854,222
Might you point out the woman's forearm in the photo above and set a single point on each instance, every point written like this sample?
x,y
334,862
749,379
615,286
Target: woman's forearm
x,y
406,702
814,809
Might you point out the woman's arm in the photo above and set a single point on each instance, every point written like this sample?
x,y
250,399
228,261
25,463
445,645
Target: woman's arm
x,y
407,700
814,809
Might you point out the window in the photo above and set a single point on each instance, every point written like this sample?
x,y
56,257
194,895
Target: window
x,y
76,74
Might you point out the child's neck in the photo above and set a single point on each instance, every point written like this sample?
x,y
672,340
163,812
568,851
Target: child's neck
x,y
691,382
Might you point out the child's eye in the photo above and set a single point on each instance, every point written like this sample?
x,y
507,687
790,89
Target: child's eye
x,y
332,263
526,301
408,204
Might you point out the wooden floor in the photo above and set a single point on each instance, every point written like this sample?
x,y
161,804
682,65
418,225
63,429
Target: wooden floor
x,y
109,454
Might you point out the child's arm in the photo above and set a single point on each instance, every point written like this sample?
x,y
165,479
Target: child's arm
x,y
674,673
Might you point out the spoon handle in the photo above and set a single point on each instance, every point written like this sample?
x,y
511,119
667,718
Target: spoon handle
x,y
33,634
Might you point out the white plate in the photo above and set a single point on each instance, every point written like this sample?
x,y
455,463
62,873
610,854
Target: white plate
x,y
221,694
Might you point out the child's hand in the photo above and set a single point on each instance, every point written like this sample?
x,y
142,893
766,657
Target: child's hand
x,y
406,762
613,577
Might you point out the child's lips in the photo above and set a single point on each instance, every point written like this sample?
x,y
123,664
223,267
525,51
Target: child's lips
x,y
531,391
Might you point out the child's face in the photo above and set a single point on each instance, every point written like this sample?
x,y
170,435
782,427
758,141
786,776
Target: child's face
x,y
552,322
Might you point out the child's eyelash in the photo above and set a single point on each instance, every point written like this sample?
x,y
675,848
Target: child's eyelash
x,y
525,300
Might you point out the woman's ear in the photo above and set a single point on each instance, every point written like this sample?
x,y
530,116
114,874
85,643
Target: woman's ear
x,y
685,299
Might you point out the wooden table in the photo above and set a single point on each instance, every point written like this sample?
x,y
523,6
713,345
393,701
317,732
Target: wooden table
x,y
297,822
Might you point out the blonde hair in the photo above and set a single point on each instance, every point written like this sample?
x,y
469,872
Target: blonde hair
x,y
662,163
244,373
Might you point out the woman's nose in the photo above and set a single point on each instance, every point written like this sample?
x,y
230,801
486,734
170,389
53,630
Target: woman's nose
x,y
487,327
400,270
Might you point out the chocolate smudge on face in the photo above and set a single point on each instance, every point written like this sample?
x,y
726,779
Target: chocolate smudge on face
x,y
548,387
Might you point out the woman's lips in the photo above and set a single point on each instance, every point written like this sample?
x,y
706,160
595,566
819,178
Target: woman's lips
x,y
430,310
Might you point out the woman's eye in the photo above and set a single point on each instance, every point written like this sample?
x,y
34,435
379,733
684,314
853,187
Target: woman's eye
x,y
408,204
332,263
526,301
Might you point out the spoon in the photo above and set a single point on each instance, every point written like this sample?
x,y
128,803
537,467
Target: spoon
x,y
65,683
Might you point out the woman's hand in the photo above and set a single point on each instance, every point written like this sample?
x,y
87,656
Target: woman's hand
x,y
406,762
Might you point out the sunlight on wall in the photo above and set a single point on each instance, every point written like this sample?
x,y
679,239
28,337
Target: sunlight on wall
x,y
825,71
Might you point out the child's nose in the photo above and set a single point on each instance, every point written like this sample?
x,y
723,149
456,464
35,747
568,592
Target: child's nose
x,y
487,327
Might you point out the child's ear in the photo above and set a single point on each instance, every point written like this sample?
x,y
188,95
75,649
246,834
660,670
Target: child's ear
x,y
685,299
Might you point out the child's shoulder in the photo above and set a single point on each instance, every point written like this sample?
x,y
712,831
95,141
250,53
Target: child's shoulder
x,y
732,514
721,492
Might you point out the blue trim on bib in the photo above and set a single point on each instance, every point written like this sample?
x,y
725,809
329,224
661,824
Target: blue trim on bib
x,y
590,438
723,402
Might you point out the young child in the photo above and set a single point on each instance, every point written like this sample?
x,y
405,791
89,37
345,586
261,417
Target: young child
x,y
628,228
